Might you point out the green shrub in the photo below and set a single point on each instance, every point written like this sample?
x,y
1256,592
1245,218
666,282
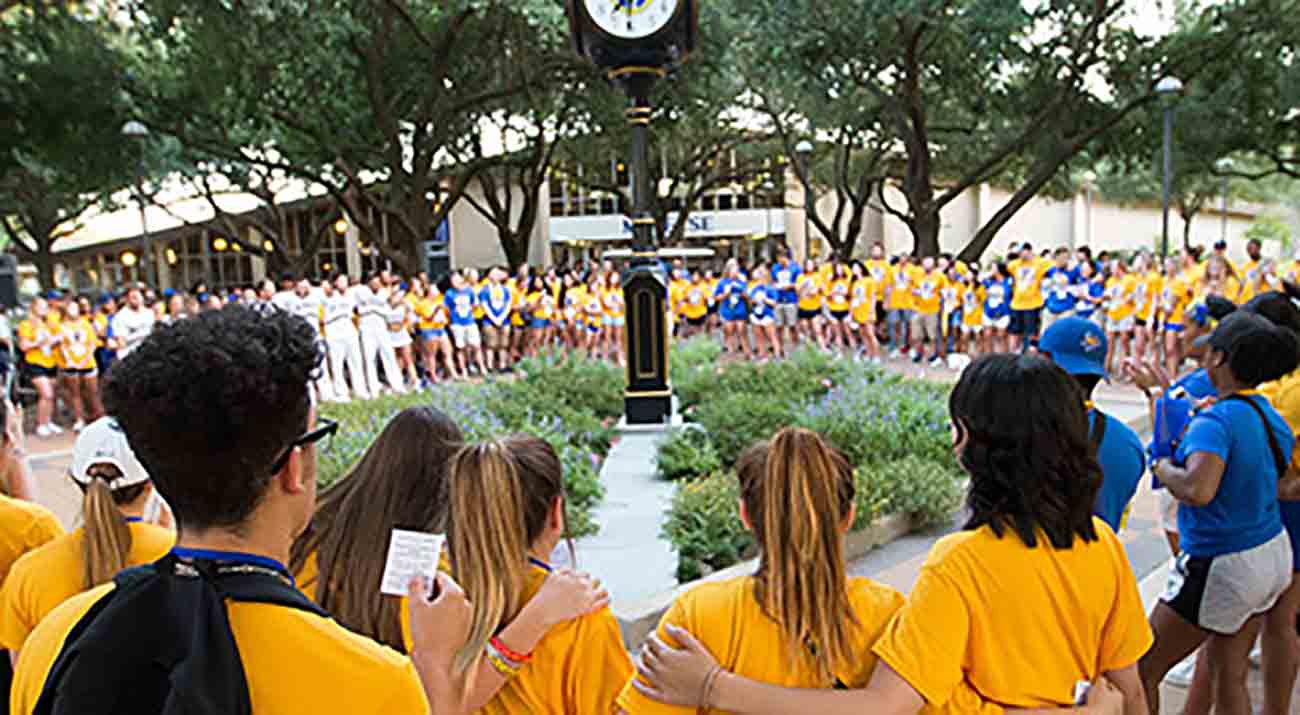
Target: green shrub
x,y
874,418
736,421
928,491
578,381
704,526
690,356
687,453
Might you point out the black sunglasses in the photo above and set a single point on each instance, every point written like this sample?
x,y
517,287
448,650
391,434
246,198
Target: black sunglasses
x,y
325,427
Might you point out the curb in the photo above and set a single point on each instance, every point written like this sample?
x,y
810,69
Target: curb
x,y
639,619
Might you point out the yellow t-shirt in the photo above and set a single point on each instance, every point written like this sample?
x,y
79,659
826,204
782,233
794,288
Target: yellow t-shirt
x,y
578,667
614,306
295,662
24,526
78,346
309,575
676,294
50,575
1250,273
35,329
880,271
1175,298
1284,394
1148,294
864,300
811,290
1120,296
695,300
972,306
927,291
837,294
977,593
900,296
1028,279
727,618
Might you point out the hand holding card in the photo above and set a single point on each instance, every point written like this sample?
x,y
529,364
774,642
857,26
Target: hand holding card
x,y
411,555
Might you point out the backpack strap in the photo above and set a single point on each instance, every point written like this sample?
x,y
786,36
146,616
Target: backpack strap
x,y
1279,460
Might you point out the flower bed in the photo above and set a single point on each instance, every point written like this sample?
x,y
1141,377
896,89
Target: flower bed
x,y
893,430
572,403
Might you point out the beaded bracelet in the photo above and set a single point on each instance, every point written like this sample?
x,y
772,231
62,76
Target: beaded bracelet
x,y
500,663
520,658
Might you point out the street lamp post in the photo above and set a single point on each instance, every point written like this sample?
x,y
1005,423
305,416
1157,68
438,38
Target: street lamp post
x,y
138,132
1224,166
1168,88
1089,181
805,149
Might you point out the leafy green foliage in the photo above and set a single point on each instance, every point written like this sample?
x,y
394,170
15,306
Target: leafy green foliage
x,y
927,490
687,453
704,526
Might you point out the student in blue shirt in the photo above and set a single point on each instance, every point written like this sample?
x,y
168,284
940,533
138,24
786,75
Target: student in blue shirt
x,y
1079,347
1091,289
460,300
1059,289
763,301
497,299
997,308
785,276
731,298
1237,559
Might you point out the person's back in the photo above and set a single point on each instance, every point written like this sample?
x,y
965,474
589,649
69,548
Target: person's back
x,y
1123,462
24,526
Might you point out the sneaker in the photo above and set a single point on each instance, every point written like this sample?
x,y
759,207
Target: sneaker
x,y
895,354
54,429
936,362
917,358
44,431
1180,676
78,426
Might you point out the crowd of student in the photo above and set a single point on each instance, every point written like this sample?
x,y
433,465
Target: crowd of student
x,y
267,599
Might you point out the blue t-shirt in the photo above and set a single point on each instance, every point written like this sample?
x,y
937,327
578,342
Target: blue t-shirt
x,y
1123,462
997,297
497,308
761,298
1096,288
460,303
1244,513
1058,284
786,275
1197,384
730,298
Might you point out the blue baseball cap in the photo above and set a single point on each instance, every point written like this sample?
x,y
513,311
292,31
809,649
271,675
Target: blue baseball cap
x,y
1077,345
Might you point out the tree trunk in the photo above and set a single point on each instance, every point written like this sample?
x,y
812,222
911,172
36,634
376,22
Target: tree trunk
x,y
44,260
515,245
925,225
1187,233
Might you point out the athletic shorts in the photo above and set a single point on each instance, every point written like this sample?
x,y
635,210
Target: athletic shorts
x,y
1119,326
431,334
496,337
78,371
1174,327
1220,593
35,371
466,336
839,316
997,323
809,314
968,329
593,328
1140,322
1167,506
787,315
763,321
1026,322
615,322
735,317
697,322
898,316
539,324
925,327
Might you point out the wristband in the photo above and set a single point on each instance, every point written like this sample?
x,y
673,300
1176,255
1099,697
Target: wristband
x,y
706,693
499,663
515,656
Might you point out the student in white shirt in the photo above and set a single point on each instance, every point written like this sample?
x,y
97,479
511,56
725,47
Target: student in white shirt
x,y
376,347
133,323
341,339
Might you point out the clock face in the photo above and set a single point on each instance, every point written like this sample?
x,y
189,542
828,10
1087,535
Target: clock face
x,y
631,19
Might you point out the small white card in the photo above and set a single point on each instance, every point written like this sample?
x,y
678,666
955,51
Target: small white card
x,y
411,554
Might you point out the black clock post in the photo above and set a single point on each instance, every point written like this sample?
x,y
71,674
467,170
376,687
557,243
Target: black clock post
x,y
635,64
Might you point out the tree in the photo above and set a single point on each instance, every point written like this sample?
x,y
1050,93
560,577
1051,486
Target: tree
x,y
60,117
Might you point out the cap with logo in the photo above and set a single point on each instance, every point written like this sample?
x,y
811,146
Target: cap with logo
x,y
1077,345
104,442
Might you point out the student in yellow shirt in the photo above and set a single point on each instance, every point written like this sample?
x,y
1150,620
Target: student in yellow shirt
x,y
677,289
593,309
866,297
1175,299
39,343
1121,304
811,287
898,301
575,314
927,302
117,489
838,304
693,302
505,518
1146,298
240,499
615,317
79,376
1250,271
1027,272
542,306
985,613
398,484
800,621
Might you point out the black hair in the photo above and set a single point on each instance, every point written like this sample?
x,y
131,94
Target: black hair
x,y
1032,465
208,404
1026,246
1257,350
1087,383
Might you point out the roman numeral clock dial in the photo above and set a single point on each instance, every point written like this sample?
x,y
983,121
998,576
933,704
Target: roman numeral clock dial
x,y
631,19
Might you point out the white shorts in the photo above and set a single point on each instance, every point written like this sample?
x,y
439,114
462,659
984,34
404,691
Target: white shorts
x,y
1167,506
399,338
762,322
1119,326
466,336
971,329
1221,593
997,323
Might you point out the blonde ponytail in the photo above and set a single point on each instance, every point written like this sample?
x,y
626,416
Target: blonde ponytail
x,y
798,490
498,497
106,536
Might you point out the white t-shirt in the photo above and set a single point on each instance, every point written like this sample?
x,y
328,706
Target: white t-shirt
x,y
132,327
371,306
308,307
338,314
284,300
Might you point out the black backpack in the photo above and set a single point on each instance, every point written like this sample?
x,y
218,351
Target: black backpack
x,y
160,642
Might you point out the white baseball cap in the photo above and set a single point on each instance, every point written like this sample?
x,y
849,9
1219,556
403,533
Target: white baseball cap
x,y
104,442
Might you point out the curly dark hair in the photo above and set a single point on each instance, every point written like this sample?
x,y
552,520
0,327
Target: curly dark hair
x,y
208,403
1032,465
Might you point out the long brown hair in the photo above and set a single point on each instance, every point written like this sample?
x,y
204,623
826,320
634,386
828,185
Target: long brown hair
x,y
398,483
798,490
500,494
106,538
